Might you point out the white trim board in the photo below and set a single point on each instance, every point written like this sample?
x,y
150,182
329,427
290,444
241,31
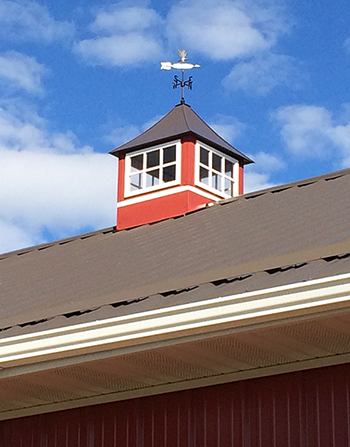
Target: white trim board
x,y
165,193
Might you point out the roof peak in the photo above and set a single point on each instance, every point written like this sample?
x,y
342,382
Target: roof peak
x,y
179,121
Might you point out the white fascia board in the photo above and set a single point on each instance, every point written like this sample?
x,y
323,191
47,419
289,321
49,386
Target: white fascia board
x,y
235,311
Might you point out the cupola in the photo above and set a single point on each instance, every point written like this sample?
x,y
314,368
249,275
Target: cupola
x,y
178,165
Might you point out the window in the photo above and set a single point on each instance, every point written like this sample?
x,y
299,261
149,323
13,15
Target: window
x,y
215,171
152,169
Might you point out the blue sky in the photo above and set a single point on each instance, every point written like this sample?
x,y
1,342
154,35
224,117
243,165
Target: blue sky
x,y
79,78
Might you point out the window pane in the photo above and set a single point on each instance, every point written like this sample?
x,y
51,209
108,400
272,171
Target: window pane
x,y
204,156
153,158
204,175
137,163
135,182
169,173
152,178
216,181
228,187
169,154
228,168
216,162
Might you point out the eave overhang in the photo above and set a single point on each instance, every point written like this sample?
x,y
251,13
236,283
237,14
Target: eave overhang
x,y
179,347
201,319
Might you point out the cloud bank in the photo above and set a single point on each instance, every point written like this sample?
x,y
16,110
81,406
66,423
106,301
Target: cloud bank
x,y
310,131
125,36
49,184
220,30
21,72
263,73
27,20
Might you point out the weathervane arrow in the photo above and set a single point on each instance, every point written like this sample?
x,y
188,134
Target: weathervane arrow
x,y
180,65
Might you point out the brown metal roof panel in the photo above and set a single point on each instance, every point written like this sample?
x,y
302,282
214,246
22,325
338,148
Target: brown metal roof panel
x,y
221,287
176,253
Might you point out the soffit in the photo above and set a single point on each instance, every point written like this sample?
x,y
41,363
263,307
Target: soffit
x,y
297,345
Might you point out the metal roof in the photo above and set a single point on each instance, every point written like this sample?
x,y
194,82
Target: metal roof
x,y
278,236
268,278
281,236
181,120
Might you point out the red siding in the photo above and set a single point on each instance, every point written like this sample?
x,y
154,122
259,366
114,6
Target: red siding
x,y
155,210
121,178
306,409
187,160
241,180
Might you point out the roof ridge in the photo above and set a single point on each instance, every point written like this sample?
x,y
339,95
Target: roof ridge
x,y
185,117
250,195
45,245
284,186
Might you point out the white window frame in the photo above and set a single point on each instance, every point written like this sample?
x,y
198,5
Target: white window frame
x,y
198,164
161,185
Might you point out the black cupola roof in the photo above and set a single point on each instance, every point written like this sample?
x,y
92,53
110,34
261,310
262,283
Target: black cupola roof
x,y
181,120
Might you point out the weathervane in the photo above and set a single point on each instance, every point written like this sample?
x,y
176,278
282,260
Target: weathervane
x,y
180,65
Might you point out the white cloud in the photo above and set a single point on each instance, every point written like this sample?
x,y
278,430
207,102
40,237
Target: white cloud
x,y
122,134
263,73
311,131
27,20
235,29
13,237
257,176
48,182
253,181
28,131
126,36
21,71
224,29
124,20
57,191
228,127
306,129
129,49
267,163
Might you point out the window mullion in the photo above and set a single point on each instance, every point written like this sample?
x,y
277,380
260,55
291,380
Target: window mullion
x,y
222,175
143,173
210,169
161,159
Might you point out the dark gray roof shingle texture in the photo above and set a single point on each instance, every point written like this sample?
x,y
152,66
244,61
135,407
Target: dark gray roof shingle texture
x,y
181,120
273,237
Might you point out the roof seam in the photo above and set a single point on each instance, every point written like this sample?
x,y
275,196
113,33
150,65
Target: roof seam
x,y
185,118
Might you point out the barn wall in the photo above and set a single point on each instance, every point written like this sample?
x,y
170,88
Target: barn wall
x,y
307,408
